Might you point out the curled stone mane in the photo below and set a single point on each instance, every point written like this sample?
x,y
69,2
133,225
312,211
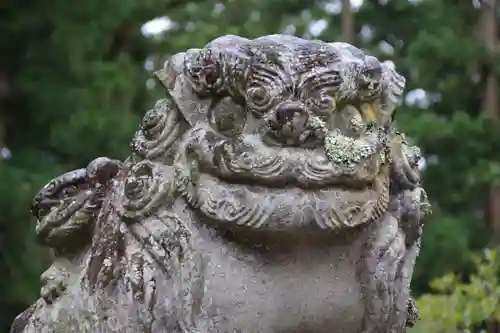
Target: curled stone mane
x,y
268,192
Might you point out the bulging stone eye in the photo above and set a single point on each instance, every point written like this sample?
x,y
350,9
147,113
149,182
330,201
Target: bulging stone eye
x,y
204,71
211,74
193,71
228,118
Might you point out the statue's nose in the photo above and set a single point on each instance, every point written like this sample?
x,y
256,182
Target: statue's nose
x,y
288,110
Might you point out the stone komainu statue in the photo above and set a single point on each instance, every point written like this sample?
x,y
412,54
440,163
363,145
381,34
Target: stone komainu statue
x,y
268,193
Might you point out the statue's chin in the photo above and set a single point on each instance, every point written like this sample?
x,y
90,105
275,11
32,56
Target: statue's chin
x,y
249,183
288,208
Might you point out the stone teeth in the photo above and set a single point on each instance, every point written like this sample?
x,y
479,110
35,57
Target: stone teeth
x,y
369,111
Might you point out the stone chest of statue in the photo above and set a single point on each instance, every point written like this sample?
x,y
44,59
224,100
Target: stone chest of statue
x,y
270,192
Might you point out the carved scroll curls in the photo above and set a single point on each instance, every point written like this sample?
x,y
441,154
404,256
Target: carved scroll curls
x,y
223,209
236,57
353,214
159,130
270,209
147,186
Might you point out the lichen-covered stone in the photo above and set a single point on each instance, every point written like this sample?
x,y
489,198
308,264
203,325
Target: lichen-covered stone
x,y
269,193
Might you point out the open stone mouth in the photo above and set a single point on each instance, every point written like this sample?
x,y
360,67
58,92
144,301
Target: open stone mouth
x,y
46,206
293,128
42,207
297,127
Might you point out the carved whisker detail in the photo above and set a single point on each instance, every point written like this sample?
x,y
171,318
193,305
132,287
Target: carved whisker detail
x,y
319,170
328,219
266,167
251,215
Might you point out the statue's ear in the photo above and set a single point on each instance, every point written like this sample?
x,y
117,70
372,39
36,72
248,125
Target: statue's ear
x,y
194,108
393,85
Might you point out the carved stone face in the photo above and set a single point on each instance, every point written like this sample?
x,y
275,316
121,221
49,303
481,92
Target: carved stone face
x,y
287,83
54,193
280,111
291,89
66,205
57,203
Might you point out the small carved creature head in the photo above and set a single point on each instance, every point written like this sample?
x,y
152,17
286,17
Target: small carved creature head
x,y
58,191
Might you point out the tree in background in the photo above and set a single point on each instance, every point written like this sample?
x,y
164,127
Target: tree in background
x,y
74,84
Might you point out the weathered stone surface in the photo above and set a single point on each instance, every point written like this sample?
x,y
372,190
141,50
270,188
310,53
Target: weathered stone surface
x,y
269,193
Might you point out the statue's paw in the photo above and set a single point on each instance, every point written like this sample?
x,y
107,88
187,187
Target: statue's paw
x,y
54,283
425,206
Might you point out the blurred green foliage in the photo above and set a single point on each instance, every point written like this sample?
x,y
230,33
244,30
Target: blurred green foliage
x,y
461,306
78,75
